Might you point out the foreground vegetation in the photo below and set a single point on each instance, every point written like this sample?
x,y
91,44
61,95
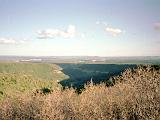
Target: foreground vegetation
x,y
135,96
16,78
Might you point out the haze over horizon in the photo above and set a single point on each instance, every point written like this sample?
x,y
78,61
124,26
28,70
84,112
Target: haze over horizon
x,y
80,28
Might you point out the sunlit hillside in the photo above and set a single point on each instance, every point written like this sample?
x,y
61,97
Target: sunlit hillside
x,y
24,77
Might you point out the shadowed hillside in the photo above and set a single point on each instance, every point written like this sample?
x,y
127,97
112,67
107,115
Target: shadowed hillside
x,y
80,74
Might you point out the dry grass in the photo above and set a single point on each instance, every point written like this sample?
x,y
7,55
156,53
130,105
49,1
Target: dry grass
x,y
135,96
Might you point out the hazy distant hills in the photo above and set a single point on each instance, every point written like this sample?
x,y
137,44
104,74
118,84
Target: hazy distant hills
x,y
84,59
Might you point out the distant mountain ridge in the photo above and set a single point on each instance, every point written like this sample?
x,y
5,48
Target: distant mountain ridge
x,y
85,59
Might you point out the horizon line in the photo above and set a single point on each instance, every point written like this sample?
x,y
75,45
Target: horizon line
x,y
74,56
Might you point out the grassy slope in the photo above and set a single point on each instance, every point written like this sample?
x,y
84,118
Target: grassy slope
x,y
23,77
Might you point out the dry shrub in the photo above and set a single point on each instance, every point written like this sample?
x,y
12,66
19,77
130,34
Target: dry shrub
x,y
135,96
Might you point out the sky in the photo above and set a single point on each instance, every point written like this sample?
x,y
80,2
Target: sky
x,y
80,27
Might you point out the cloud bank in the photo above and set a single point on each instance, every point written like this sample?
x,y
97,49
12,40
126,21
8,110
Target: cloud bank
x,y
70,32
11,41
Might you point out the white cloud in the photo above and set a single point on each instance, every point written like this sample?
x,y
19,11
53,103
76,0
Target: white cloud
x,y
113,31
70,32
10,41
157,26
101,23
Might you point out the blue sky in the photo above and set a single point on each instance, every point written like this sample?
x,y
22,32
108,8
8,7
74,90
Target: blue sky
x,y
80,27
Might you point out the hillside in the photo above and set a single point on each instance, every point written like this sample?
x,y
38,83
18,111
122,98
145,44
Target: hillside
x,y
40,71
135,96
23,77
80,74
